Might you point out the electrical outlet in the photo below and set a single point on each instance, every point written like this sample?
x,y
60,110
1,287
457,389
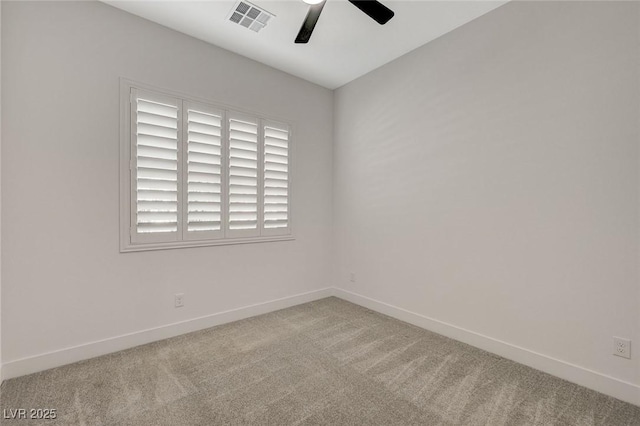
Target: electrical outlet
x,y
622,347
179,300
352,277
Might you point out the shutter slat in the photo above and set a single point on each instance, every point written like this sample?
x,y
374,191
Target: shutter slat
x,y
204,148
208,197
242,162
157,108
157,184
199,157
270,224
204,187
203,206
243,189
157,120
276,183
156,216
159,153
203,177
204,226
195,216
243,153
148,173
247,146
203,118
243,171
160,206
276,167
152,130
244,216
278,143
269,191
245,224
238,136
204,129
278,159
275,215
145,228
242,198
273,174
204,168
156,141
271,132
243,180
244,126
157,163
275,208
244,207
151,195
206,139
284,152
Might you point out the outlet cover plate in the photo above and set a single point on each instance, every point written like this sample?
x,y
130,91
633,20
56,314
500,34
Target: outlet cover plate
x,y
622,347
179,300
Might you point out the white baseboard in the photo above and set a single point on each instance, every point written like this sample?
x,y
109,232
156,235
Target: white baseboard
x,y
24,366
608,385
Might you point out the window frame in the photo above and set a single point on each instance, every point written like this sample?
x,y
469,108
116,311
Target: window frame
x,y
129,243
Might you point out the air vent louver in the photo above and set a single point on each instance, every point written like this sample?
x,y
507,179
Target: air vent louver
x,y
249,16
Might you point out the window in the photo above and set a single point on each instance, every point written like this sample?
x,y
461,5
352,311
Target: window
x,y
194,174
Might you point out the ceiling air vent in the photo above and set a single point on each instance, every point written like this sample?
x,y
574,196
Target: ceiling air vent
x,y
250,16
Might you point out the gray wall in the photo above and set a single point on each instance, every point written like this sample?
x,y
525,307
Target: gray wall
x,y
489,180
64,281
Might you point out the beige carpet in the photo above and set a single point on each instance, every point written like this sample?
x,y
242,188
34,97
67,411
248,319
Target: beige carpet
x,y
327,362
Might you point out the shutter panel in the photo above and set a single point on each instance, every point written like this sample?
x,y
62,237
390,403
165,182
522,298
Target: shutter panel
x,y
243,176
156,168
276,200
203,171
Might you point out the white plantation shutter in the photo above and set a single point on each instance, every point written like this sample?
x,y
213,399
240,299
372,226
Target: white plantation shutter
x,y
155,169
204,126
193,174
243,178
276,205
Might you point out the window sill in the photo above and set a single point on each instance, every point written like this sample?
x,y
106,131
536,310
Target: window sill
x,y
127,248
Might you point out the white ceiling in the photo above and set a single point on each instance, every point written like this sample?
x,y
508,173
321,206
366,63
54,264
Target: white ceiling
x,y
346,43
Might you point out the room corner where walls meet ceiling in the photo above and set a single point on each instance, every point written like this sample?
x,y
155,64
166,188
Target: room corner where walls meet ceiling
x,y
346,44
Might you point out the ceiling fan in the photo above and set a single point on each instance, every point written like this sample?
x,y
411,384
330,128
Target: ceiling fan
x,y
376,10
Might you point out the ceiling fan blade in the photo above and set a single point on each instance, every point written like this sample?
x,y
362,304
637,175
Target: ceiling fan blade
x,y
376,10
309,23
